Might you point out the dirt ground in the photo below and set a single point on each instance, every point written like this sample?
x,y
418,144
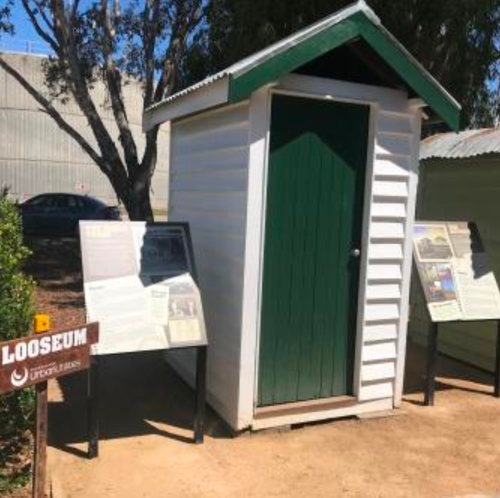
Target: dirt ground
x,y
452,449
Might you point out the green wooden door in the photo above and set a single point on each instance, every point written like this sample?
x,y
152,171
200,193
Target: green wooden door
x,y
315,193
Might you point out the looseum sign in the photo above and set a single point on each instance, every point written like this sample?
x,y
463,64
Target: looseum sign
x,y
35,359
41,346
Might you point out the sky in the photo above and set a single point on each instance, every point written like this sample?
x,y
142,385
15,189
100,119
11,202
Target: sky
x,y
24,31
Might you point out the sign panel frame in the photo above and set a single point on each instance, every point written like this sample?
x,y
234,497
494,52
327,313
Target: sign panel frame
x,y
184,309
447,254
457,281
147,297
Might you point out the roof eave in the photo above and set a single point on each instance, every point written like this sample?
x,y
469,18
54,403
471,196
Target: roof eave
x,y
413,73
206,97
358,21
357,25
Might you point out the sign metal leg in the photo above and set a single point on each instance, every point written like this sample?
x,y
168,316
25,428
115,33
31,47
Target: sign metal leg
x,y
497,363
40,457
432,353
201,381
93,408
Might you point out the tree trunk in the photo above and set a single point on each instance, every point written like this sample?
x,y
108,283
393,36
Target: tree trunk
x,y
134,193
138,201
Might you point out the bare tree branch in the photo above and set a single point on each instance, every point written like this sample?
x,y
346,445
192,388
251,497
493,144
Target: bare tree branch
x,y
113,78
54,114
41,10
173,53
38,28
74,9
149,157
150,27
181,29
65,35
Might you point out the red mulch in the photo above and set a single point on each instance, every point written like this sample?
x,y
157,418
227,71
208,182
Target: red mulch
x,y
56,267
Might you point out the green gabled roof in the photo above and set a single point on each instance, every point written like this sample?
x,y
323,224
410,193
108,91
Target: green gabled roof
x,y
352,23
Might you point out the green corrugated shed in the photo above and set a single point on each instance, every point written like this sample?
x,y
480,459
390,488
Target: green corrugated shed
x,y
460,180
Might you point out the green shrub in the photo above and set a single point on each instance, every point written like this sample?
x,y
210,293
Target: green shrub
x,y
16,315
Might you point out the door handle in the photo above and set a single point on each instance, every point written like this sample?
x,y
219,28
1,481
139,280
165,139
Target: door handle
x,y
355,253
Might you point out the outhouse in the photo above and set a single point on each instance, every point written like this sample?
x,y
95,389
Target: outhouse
x,y
460,180
297,170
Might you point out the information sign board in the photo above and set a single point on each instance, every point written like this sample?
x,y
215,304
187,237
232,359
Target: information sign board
x,y
139,284
454,271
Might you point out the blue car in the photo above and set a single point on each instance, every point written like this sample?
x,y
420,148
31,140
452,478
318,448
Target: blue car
x,y
59,214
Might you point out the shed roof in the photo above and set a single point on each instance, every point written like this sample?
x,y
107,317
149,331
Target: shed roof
x,y
469,143
357,21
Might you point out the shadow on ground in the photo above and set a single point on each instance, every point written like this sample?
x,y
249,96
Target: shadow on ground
x,y
139,394
451,374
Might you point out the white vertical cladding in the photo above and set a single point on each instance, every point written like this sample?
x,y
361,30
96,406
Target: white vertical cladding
x,y
392,205
258,152
416,126
208,188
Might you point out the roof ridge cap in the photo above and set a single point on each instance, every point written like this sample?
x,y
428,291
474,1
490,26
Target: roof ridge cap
x,y
366,9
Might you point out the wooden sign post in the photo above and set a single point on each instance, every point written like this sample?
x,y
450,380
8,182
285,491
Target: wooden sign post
x,y
40,456
432,357
41,325
34,360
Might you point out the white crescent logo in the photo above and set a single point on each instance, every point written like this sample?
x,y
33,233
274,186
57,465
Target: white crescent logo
x,y
17,379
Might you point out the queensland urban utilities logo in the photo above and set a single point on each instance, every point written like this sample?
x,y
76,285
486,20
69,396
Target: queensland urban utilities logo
x,y
19,379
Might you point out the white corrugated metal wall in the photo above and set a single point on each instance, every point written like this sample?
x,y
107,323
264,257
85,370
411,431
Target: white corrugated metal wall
x,y
36,156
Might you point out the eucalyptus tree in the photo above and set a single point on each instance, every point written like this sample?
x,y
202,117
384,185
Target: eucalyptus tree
x,y
110,42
